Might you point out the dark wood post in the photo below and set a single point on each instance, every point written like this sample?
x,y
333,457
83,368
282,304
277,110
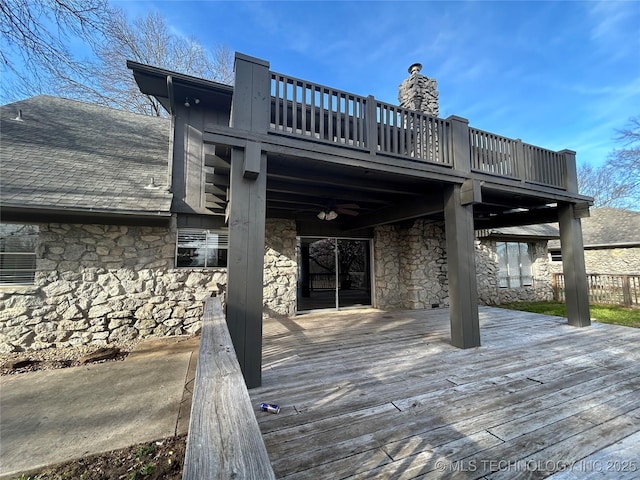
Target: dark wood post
x,y
460,236
461,268
571,172
247,211
460,148
575,275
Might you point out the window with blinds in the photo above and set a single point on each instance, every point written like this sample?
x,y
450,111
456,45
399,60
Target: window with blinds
x,y
514,261
202,248
18,254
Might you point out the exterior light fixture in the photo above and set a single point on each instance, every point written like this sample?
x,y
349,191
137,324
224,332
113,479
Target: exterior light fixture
x,y
186,102
328,216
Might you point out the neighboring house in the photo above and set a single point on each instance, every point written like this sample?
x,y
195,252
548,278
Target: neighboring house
x,y
283,194
611,242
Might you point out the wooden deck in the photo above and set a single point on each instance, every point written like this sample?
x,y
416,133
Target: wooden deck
x,y
371,394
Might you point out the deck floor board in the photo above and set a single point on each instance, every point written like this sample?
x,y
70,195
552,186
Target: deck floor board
x,y
372,394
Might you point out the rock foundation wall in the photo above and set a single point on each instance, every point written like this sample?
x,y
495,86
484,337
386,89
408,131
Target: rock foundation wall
x,y
280,268
410,266
109,283
487,270
103,284
411,269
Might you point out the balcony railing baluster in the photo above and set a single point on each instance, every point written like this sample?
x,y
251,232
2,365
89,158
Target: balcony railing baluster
x,y
319,113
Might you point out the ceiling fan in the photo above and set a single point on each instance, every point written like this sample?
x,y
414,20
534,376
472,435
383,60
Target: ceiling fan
x,y
339,209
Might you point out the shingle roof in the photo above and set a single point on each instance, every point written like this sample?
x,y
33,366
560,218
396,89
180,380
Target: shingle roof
x,y
75,156
610,227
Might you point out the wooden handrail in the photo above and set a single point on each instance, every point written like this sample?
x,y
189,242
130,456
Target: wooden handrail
x,y
318,113
224,439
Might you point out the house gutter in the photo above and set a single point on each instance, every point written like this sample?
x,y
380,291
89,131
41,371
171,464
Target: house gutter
x,y
44,214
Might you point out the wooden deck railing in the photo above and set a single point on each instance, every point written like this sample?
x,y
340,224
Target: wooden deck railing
x,y
543,166
323,114
412,134
493,154
604,288
224,439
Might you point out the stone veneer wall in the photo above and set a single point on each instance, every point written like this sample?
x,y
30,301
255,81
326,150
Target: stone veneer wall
x,y
103,284
608,261
411,269
386,263
410,266
280,268
487,270
109,283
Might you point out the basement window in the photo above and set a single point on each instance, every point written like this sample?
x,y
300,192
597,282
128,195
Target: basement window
x,y
514,260
202,248
18,254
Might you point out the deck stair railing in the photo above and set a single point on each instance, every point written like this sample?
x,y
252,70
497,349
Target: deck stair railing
x,y
323,114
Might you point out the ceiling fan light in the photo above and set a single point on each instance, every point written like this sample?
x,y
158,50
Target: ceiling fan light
x,y
322,215
331,215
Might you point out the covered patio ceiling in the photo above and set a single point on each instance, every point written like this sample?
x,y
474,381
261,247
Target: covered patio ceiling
x,y
300,188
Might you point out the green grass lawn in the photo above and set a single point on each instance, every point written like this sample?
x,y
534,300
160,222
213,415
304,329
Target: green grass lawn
x,y
615,314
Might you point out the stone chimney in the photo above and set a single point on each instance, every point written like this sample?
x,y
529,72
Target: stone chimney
x,y
419,92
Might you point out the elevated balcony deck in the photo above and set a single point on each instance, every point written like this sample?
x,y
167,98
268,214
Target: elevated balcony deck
x,y
326,145
307,111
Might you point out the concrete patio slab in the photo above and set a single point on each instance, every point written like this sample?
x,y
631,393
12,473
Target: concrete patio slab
x,y
53,416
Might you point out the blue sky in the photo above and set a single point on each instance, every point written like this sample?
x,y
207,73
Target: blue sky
x,y
556,74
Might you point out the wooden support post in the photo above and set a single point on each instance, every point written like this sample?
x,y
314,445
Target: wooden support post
x,y
461,263
247,211
575,275
571,172
461,148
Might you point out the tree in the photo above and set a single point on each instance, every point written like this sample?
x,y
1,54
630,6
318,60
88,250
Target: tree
x,y
148,40
350,257
617,182
36,48
34,45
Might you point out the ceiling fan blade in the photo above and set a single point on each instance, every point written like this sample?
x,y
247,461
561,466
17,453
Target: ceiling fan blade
x,y
349,206
346,211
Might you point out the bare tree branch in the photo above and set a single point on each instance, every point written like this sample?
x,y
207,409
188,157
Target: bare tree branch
x,y
36,35
617,182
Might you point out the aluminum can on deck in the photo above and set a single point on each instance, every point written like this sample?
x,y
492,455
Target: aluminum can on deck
x,y
269,407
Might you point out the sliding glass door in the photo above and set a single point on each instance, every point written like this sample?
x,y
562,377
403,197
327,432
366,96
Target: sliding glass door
x,y
333,273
